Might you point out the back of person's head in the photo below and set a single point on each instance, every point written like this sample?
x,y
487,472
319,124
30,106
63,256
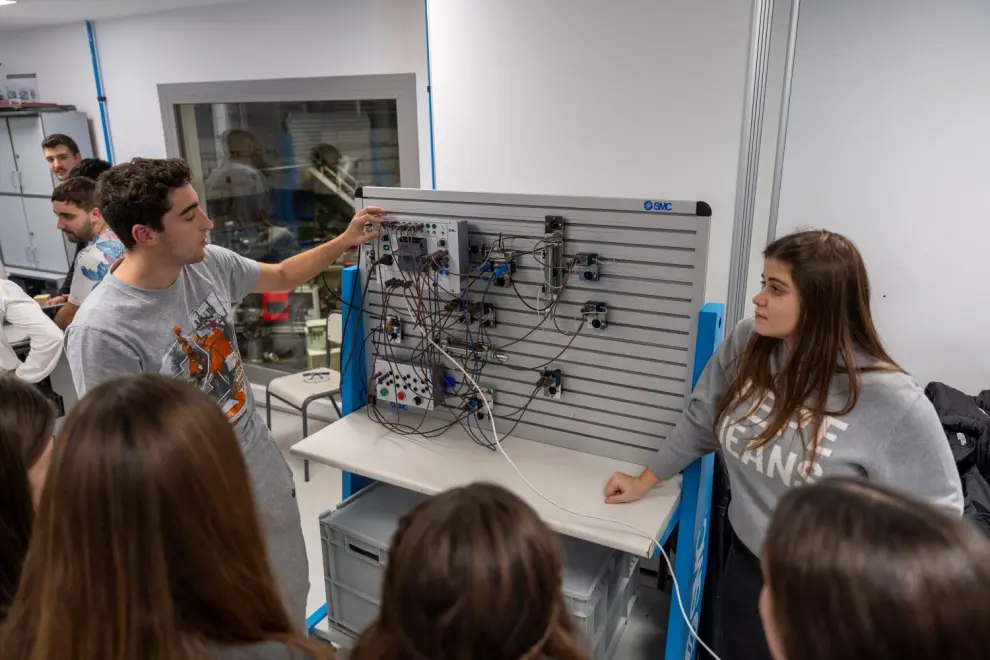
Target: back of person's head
x,y
146,544
472,573
78,191
325,154
27,421
854,571
239,142
91,168
138,194
56,140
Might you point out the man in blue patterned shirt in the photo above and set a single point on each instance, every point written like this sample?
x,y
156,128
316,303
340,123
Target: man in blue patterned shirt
x,y
74,204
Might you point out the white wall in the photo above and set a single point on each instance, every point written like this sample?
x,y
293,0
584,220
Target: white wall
x,y
582,97
258,40
60,57
889,143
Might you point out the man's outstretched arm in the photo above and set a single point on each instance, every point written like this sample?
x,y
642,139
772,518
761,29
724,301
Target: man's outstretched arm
x,y
296,271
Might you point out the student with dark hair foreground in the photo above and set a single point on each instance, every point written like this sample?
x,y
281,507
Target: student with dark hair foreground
x,y
855,571
146,543
803,391
167,308
472,573
27,422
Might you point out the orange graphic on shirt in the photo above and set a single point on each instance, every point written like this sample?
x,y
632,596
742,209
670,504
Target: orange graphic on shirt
x,y
206,355
217,349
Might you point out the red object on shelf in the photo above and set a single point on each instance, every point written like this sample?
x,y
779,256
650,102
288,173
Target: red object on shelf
x,y
275,306
27,104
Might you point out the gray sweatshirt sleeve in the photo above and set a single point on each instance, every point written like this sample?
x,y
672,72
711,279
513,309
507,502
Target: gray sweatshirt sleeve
x,y
96,356
915,458
693,437
241,274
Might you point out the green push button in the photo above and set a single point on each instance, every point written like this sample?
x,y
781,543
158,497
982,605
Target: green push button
x,y
383,392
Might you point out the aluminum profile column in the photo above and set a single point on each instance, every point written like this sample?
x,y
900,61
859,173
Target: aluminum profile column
x,y
749,157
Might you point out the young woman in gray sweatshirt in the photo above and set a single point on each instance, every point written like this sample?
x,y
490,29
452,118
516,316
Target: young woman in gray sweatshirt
x,y
802,391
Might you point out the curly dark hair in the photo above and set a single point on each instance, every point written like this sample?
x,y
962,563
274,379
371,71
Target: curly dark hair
x,y
91,168
59,140
78,191
136,193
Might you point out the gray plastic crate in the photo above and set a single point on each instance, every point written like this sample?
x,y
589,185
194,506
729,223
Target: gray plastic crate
x,y
586,571
357,534
355,537
618,614
350,611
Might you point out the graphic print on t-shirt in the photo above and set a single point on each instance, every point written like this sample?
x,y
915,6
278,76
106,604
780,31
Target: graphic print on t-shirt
x,y
783,458
205,353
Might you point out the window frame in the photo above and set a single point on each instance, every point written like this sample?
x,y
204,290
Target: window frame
x,y
398,87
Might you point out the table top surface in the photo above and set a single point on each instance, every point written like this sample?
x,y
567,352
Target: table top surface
x,y
571,478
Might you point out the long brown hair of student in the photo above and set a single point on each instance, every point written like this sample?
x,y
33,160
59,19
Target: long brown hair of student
x,y
853,570
27,420
472,573
146,543
835,321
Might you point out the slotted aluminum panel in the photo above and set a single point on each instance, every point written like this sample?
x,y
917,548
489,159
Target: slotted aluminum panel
x,y
624,387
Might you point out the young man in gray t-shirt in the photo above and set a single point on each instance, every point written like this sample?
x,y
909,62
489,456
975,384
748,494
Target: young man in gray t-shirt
x,y
166,307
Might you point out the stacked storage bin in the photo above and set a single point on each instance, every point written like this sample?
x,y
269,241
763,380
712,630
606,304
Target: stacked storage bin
x,y
599,583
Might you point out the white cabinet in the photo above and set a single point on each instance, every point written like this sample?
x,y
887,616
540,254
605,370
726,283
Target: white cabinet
x,y
29,237
26,136
8,165
14,233
47,243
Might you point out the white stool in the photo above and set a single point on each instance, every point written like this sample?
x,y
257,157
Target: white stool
x,y
301,389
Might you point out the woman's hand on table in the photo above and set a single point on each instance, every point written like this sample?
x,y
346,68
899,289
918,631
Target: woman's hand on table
x,y
622,487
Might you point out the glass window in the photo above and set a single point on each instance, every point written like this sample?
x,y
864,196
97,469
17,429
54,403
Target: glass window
x,y
278,178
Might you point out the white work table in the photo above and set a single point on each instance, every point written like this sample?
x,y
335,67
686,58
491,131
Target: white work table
x,y
570,478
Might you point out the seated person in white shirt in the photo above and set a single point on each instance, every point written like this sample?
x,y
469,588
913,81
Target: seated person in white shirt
x,y
21,317
74,203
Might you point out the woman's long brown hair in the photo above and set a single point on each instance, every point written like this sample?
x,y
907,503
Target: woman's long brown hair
x,y
835,323
27,421
472,573
146,543
855,570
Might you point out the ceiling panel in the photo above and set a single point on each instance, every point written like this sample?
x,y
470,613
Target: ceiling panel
x,y
39,13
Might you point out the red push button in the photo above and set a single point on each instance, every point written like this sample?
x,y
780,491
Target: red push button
x,y
400,396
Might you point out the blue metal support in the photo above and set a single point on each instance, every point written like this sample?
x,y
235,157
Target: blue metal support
x,y
98,77
694,511
429,98
313,619
353,362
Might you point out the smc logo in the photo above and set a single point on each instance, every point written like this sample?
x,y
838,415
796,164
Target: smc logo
x,y
658,206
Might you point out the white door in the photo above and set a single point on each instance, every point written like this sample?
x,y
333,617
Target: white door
x,y
27,135
15,241
46,239
8,165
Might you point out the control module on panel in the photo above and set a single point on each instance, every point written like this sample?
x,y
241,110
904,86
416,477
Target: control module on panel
x,y
438,291
437,249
